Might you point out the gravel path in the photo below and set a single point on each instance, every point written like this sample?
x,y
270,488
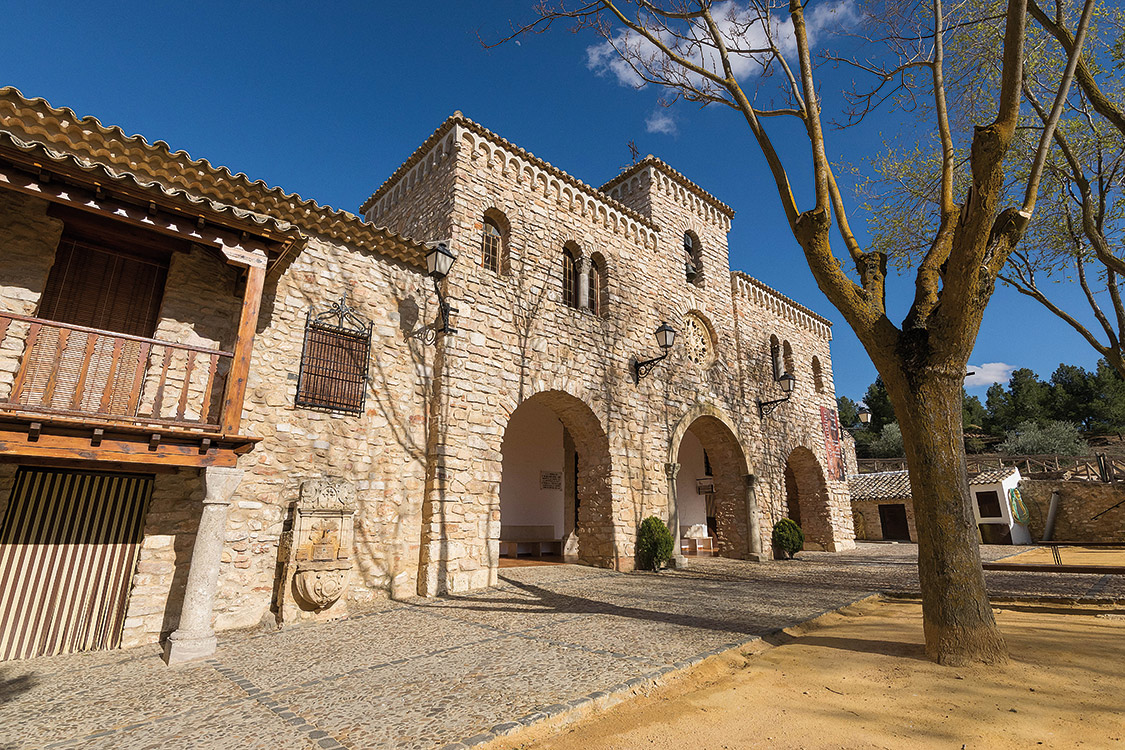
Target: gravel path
x,y
439,672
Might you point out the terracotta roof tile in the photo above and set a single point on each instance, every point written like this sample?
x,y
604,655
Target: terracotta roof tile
x,y
883,485
64,137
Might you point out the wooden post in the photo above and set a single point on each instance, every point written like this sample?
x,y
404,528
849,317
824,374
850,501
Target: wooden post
x,y
243,348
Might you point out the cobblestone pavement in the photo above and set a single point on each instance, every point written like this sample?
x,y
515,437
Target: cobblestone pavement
x,y
430,673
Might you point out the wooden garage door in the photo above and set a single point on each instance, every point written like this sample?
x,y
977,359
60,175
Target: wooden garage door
x,y
68,547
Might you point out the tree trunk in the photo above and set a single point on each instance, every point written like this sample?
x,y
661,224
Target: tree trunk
x,y
956,614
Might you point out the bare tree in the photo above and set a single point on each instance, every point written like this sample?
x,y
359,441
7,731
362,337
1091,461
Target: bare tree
x,y
1083,231
698,55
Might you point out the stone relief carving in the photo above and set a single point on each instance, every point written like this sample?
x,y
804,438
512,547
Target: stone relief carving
x,y
321,547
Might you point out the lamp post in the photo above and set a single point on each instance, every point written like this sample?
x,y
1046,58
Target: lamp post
x,y
786,381
864,415
439,259
665,338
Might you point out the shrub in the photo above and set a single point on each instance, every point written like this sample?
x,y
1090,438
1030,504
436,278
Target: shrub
x,y
889,442
1052,437
788,537
654,544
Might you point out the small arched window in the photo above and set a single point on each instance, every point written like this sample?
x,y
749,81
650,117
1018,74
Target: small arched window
x,y
570,277
775,357
787,357
598,286
491,245
693,259
817,375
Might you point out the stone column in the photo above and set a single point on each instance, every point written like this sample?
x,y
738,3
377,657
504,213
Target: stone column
x,y
753,524
583,283
671,470
194,638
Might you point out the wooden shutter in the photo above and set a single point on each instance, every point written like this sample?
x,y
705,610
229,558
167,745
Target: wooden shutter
x,y
68,548
100,288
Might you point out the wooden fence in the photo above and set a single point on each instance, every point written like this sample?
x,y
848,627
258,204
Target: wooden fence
x,y
1096,468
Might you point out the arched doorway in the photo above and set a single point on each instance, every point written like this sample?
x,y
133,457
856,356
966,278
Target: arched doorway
x,y
555,497
711,490
806,498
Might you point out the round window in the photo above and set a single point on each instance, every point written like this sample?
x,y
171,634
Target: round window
x,y
698,345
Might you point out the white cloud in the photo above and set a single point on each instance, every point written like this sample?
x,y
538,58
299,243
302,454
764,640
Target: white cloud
x,y
660,121
740,30
988,373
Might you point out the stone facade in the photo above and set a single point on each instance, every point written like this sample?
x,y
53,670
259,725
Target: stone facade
x,y
424,456
1079,502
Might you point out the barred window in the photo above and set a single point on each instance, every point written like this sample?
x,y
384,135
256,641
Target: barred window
x,y
570,278
334,361
491,246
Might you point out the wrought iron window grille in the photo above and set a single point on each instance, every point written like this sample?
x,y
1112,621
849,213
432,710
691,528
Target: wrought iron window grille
x,y
334,360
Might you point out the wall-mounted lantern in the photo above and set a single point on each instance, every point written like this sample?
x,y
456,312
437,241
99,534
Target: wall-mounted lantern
x,y
439,259
786,381
665,337
864,415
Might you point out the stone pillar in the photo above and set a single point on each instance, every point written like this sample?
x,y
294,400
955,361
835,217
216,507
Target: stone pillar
x,y
753,525
194,638
671,470
583,283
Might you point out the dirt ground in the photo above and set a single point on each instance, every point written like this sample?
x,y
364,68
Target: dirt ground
x,y
1072,556
859,679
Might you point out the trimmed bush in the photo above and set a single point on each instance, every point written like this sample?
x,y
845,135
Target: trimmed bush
x,y
788,537
654,544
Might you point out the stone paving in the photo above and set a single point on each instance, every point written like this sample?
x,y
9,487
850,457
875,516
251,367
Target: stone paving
x,y
450,671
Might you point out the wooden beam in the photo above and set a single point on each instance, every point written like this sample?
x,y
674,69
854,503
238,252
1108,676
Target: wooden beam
x,y
243,348
248,254
14,446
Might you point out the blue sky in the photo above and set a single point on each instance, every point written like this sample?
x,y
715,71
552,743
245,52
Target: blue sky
x,y
326,100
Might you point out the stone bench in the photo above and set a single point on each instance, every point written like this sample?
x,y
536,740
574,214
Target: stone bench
x,y
535,540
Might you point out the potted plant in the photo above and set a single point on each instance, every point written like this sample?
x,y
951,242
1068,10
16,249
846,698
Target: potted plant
x,y
788,539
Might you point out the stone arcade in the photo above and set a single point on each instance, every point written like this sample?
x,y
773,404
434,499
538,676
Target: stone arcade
x,y
224,406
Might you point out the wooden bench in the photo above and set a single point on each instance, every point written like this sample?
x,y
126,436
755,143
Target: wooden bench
x,y
535,540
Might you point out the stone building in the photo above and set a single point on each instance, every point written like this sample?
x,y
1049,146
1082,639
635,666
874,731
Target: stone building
x,y
224,406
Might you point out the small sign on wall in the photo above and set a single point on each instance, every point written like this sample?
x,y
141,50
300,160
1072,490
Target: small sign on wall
x,y
550,480
705,486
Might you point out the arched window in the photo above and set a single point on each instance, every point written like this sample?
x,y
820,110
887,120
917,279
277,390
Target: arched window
x,y
491,245
787,357
817,375
775,357
693,259
570,277
598,285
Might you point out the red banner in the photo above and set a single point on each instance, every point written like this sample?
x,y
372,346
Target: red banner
x,y
831,425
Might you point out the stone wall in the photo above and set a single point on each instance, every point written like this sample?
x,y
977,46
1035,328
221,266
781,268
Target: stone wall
x,y
871,527
28,238
1079,502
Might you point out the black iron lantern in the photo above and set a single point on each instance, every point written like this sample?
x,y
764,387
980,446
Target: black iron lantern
x,y
864,415
787,382
665,338
439,260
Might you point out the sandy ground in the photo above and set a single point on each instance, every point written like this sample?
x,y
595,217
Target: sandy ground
x,y
858,679
1072,556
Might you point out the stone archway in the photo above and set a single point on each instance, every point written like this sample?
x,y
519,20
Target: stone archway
x,y
562,436
807,498
704,439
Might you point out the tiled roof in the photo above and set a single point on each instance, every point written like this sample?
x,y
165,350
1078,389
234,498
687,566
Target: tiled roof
x,y
60,135
457,118
895,485
992,476
883,485
676,176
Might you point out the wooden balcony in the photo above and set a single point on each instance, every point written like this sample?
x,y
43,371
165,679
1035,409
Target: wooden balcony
x,y
149,401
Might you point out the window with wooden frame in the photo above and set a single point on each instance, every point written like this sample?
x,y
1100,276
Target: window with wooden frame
x,y
596,275
570,277
102,287
491,246
334,360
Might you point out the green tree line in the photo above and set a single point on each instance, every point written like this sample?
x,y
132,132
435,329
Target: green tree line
x,y
1025,416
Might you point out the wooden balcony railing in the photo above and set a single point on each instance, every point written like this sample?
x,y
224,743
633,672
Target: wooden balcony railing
x,y
67,370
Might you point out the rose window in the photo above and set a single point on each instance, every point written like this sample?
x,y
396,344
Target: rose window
x,y
697,341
